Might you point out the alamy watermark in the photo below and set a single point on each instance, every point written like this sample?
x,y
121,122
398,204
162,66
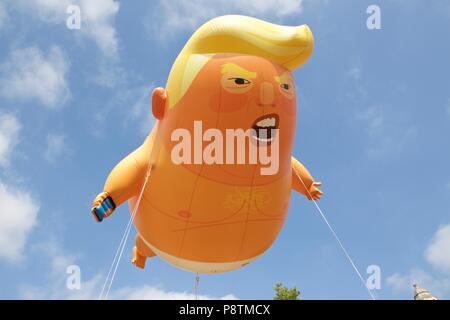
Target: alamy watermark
x,y
374,279
73,281
73,21
257,145
373,21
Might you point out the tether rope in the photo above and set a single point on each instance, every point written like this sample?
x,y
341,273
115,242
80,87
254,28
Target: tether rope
x,y
336,237
115,263
196,285
120,249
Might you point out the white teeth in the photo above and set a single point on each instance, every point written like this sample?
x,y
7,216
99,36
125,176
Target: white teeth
x,y
267,122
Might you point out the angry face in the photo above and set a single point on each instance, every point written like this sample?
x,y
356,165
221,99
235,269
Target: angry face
x,y
239,92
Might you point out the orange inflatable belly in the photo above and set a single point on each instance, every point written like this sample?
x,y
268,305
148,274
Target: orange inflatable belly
x,y
200,224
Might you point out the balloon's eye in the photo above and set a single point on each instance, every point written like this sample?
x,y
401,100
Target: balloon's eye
x,y
235,83
287,89
240,81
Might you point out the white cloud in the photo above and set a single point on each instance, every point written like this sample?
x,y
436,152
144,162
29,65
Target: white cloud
x,y
9,134
18,216
438,251
110,76
55,287
50,11
404,283
174,15
276,7
141,110
90,290
399,282
97,18
18,210
146,292
56,146
29,74
437,254
58,259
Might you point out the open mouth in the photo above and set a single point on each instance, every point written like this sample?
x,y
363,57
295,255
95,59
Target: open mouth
x,y
265,127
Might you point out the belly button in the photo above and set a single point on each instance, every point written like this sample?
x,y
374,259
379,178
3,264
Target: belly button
x,y
184,213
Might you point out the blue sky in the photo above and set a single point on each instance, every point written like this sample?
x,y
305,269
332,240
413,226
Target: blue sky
x,y
373,122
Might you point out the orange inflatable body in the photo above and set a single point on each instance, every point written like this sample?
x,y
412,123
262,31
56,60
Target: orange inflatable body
x,y
219,214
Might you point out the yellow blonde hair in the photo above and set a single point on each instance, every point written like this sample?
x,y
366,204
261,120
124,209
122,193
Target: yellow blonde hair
x,y
288,46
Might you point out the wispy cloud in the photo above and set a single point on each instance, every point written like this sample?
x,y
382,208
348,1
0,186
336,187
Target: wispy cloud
x,y
58,259
18,216
9,134
3,16
403,283
438,251
141,111
56,146
110,75
30,74
90,290
353,84
173,16
18,209
374,118
97,25
355,72
97,18
49,11
437,255
388,135
146,292
387,130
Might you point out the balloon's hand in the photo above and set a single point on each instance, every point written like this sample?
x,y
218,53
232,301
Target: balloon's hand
x,y
102,206
314,191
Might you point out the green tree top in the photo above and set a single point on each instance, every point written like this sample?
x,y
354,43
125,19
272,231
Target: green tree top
x,y
284,293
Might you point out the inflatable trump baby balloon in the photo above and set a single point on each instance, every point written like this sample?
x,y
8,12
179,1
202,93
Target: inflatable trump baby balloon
x,y
209,188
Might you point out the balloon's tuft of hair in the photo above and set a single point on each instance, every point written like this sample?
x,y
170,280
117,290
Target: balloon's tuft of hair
x,y
289,46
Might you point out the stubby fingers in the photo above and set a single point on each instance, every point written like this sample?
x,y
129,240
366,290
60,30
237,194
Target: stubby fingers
x,y
314,192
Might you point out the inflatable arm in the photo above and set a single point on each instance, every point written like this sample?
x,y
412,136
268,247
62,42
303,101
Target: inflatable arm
x,y
299,171
124,181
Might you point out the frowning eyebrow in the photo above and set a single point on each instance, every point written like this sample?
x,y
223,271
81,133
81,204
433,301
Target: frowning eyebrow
x,y
285,77
234,68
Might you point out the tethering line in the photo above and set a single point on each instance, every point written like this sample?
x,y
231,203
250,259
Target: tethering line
x,y
196,285
336,237
121,247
